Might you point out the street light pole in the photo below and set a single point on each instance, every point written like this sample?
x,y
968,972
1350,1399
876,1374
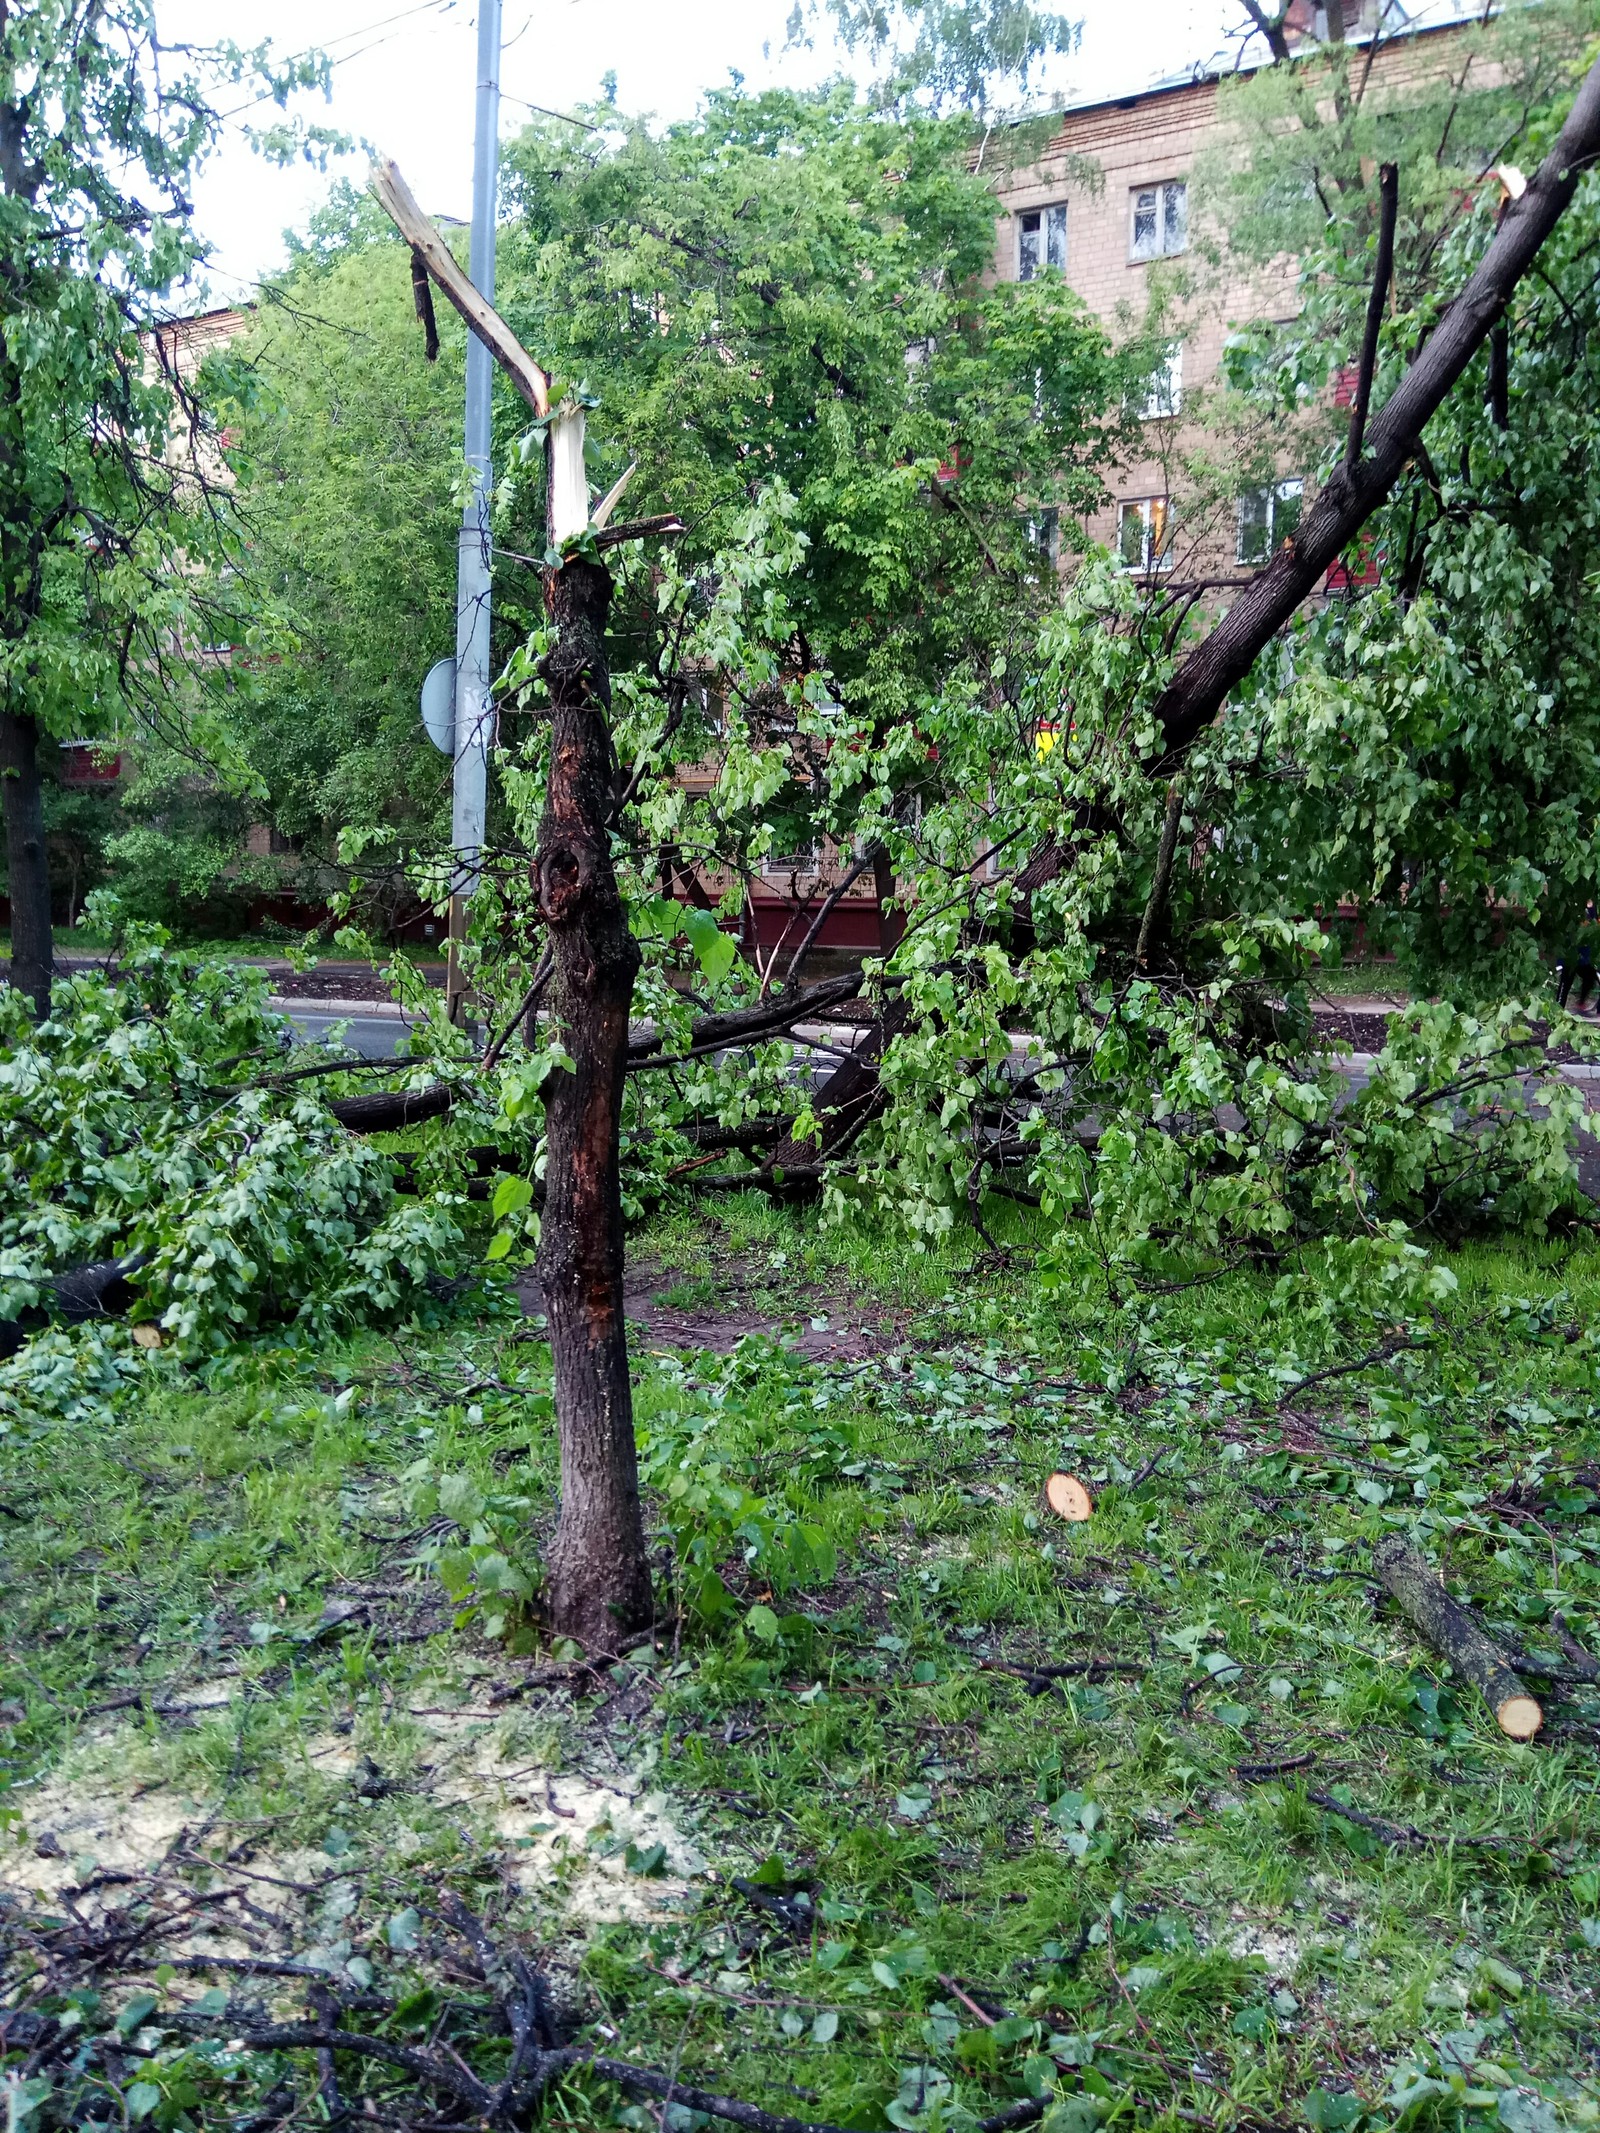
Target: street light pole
x,y
473,718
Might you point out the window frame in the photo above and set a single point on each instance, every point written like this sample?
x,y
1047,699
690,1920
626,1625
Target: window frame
x,y
1163,191
1155,516
1287,488
1167,379
1041,216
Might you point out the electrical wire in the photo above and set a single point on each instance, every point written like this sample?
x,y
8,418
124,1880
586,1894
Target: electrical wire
x,y
384,22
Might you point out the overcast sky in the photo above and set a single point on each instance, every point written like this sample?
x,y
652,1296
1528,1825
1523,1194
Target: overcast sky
x,y
404,72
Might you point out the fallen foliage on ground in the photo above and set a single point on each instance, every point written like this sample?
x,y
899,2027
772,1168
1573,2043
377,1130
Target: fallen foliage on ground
x,y
922,1807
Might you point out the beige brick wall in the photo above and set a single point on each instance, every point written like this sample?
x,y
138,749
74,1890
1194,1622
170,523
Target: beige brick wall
x,y
1137,141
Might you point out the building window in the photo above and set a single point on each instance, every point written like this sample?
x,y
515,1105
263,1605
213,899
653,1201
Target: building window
x,y
1041,241
1144,533
1165,394
1267,517
1042,532
1160,220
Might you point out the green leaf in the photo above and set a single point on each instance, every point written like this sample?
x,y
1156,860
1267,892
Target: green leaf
x,y
140,2100
135,2012
1331,2111
824,2026
762,1624
714,949
511,1196
403,1930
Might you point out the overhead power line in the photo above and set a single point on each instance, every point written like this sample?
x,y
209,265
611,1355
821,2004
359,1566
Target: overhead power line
x,y
385,23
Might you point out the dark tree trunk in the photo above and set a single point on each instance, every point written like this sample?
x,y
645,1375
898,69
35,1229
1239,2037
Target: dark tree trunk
x,y
392,1110
599,1573
891,921
27,860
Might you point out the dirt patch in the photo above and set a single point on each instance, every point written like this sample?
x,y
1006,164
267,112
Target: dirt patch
x,y
1352,1032
669,1308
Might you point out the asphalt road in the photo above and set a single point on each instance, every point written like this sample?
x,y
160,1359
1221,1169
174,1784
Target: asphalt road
x,y
373,1036
379,1036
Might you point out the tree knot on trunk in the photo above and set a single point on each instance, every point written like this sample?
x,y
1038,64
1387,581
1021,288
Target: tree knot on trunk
x,y
561,875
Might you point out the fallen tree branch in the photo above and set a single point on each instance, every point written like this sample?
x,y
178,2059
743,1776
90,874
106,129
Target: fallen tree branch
x,y
1402,1833
391,1110
1380,1354
711,1033
1419,1592
1200,687
850,1098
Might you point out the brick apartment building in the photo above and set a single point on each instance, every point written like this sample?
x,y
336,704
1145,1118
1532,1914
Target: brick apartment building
x,y
1107,234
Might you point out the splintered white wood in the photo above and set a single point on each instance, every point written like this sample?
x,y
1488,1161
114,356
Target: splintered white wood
x,y
569,484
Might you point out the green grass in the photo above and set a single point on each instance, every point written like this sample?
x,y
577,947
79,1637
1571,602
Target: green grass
x,y
1167,1935
85,941
1359,979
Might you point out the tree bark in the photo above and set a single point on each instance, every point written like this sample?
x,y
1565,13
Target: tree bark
x,y
891,920
845,1104
599,1573
1197,692
1451,1630
27,860
392,1110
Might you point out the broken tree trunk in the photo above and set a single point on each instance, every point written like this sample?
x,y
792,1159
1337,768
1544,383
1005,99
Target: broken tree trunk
x,y
599,1573
851,1096
1419,1593
1198,690
428,247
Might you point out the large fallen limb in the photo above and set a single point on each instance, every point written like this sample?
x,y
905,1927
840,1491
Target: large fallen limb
x,y
395,197
711,1033
1419,1593
101,1289
1197,692
846,1102
390,1110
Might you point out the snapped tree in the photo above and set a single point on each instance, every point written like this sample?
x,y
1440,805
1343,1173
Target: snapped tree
x,y
599,1574
1431,752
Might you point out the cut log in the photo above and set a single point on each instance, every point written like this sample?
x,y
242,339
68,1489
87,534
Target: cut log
x,y
1450,1628
1068,1498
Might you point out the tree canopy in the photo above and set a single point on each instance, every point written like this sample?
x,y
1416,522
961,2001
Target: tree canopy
x,y
113,537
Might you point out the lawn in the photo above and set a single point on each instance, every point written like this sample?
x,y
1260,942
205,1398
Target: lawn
x,y
922,1806
271,943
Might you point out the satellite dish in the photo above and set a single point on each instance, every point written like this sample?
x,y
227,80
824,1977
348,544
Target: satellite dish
x,y
439,706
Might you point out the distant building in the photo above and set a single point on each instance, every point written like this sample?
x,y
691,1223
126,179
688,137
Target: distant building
x,y
1104,239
